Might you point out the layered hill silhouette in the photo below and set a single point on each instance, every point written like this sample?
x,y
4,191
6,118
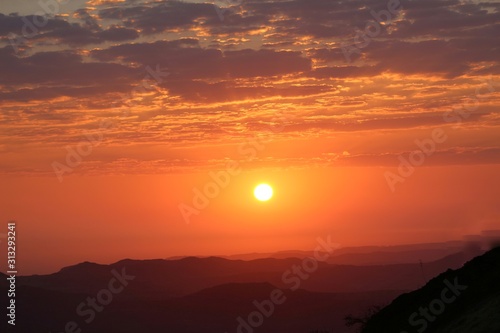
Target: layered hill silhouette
x,y
369,255
465,300
159,279
190,295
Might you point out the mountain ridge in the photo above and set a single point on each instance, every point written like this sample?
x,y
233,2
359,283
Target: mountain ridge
x,y
475,288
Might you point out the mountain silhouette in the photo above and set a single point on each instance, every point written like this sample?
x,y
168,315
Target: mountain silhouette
x,y
212,294
159,279
463,300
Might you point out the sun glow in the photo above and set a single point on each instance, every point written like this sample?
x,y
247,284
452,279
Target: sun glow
x,y
263,192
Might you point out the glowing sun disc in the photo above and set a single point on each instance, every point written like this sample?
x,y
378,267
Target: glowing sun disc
x,y
263,192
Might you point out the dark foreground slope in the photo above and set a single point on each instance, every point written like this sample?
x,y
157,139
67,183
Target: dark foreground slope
x,y
466,300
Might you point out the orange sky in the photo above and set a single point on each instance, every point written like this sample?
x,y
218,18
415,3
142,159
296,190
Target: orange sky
x,y
113,112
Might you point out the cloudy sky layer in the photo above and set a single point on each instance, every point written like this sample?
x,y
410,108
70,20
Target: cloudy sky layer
x,y
227,69
114,112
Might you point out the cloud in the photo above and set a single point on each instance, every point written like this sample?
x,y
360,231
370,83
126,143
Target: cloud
x,y
59,73
170,15
452,156
346,71
227,91
227,78
187,59
19,25
78,35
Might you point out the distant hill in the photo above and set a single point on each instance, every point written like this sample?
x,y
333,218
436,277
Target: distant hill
x,y
466,300
160,279
366,255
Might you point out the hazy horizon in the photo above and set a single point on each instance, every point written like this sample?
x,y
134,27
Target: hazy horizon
x,y
484,240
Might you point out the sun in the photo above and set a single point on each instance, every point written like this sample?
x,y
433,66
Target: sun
x,y
263,192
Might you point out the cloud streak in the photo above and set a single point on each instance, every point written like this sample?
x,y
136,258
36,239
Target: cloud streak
x,y
227,78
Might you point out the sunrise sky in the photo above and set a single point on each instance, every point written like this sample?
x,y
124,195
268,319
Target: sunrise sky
x,y
115,115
